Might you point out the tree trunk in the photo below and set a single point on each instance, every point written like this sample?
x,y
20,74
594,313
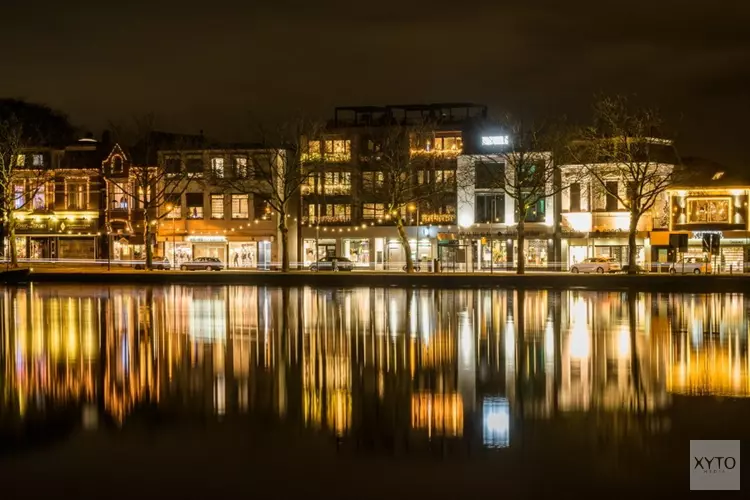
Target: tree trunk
x,y
632,249
12,239
635,365
521,230
147,240
284,242
405,244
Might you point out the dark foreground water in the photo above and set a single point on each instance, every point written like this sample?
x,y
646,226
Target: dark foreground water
x,y
363,393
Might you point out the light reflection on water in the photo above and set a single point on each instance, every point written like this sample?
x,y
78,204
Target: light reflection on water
x,y
468,364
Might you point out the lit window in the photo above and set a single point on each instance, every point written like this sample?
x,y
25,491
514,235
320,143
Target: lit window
x,y
240,167
175,209
119,198
37,160
217,206
337,150
217,167
20,160
371,211
240,206
19,196
194,205
311,151
76,194
450,144
39,201
495,140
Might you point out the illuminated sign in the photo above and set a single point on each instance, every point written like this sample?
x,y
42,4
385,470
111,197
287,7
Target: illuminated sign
x,y
701,234
207,239
495,140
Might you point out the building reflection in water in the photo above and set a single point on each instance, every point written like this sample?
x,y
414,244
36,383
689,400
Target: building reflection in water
x,y
414,364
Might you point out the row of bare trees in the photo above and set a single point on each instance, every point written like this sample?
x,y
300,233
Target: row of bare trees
x,y
528,168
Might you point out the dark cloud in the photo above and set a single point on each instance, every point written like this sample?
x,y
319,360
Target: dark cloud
x,y
207,65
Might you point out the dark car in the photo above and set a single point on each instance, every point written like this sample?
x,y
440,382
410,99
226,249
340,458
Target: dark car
x,y
157,262
332,264
203,263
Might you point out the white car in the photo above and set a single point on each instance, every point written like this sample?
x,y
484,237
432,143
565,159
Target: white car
x,y
599,265
691,265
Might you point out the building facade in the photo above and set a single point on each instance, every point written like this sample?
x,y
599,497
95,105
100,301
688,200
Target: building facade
x,y
63,221
209,219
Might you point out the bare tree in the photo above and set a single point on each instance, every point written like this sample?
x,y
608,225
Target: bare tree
x,y
624,145
154,186
414,173
523,165
22,177
282,164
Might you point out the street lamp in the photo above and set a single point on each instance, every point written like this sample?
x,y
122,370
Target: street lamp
x,y
169,208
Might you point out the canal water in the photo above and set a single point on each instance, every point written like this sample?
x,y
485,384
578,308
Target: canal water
x,y
212,390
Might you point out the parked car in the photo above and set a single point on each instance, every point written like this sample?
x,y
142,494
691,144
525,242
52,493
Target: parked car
x,y
332,264
691,265
207,263
599,265
157,262
638,269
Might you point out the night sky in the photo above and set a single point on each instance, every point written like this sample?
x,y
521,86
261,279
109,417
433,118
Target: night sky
x,y
208,65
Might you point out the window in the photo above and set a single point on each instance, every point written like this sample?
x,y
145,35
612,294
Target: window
x,y
37,160
194,166
450,144
194,205
536,212
240,206
337,150
172,165
422,177
575,197
311,151
490,175
19,196
703,210
444,176
495,140
144,195
119,200
490,208
217,167
241,170
76,194
372,180
338,183
39,201
261,208
372,211
611,189
174,207
217,206
20,160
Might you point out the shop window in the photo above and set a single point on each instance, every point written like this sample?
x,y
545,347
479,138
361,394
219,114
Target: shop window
x,y
240,206
217,206
194,205
704,210
217,167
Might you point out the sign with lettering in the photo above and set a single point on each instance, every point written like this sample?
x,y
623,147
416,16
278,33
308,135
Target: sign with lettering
x,y
207,239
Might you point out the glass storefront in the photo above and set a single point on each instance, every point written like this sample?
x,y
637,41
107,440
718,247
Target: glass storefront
x,y
357,250
494,253
325,247
534,251
214,250
620,253
77,248
577,253
243,254
178,252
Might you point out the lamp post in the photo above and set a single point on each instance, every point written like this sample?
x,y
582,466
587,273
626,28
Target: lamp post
x,y
169,208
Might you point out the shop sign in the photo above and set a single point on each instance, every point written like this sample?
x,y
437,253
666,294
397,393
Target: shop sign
x,y
33,226
207,239
78,225
700,234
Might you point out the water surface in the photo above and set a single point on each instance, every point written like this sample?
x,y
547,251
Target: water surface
x,y
188,388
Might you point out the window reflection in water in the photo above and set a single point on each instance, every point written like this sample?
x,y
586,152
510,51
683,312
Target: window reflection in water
x,y
432,363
